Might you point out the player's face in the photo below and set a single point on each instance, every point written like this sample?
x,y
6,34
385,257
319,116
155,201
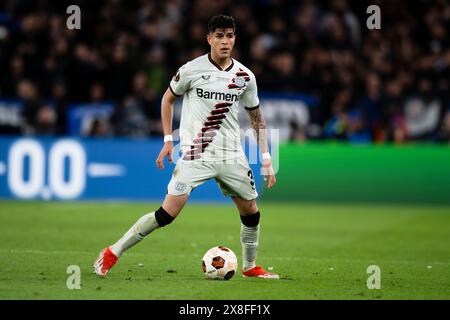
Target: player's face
x,y
222,42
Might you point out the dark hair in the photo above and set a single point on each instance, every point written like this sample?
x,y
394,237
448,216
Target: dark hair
x,y
221,21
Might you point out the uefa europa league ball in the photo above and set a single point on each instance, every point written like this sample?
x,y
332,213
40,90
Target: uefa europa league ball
x,y
219,263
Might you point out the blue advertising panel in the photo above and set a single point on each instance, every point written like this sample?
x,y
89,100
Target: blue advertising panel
x,y
89,169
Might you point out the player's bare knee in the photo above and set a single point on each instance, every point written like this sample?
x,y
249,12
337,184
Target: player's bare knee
x,y
253,207
246,207
174,204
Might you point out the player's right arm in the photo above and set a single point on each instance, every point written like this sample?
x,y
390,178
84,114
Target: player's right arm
x,y
179,84
167,103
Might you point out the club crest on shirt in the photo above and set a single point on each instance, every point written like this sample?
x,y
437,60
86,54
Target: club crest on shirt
x,y
240,81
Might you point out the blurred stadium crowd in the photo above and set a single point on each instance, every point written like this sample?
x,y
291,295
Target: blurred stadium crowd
x,y
388,85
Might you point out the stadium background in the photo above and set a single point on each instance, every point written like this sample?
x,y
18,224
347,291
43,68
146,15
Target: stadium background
x,y
364,125
322,75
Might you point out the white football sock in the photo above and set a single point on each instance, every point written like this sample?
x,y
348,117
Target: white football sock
x,y
249,241
144,226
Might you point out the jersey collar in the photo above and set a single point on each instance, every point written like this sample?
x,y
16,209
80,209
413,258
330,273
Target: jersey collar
x,y
217,66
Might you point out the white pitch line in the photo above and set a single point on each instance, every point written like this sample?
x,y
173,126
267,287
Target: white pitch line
x,y
197,255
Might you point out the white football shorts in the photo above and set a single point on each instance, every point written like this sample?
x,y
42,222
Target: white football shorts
x,y
234,179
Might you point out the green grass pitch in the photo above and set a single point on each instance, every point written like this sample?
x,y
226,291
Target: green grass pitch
x,y
320,251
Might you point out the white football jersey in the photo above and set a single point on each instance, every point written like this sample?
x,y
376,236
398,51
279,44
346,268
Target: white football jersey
x,y
212,97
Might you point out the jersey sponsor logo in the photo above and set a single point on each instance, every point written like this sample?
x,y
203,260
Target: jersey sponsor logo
x,y
216,95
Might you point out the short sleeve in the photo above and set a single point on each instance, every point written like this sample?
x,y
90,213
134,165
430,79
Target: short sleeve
x,y
250,98
180,82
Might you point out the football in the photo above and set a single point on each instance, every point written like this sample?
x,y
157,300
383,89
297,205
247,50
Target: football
x,y
219,263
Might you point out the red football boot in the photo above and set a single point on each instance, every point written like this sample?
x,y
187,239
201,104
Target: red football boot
x,y
105,261
259,272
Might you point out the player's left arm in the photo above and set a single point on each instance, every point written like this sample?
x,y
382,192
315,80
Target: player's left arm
x,y
259,126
